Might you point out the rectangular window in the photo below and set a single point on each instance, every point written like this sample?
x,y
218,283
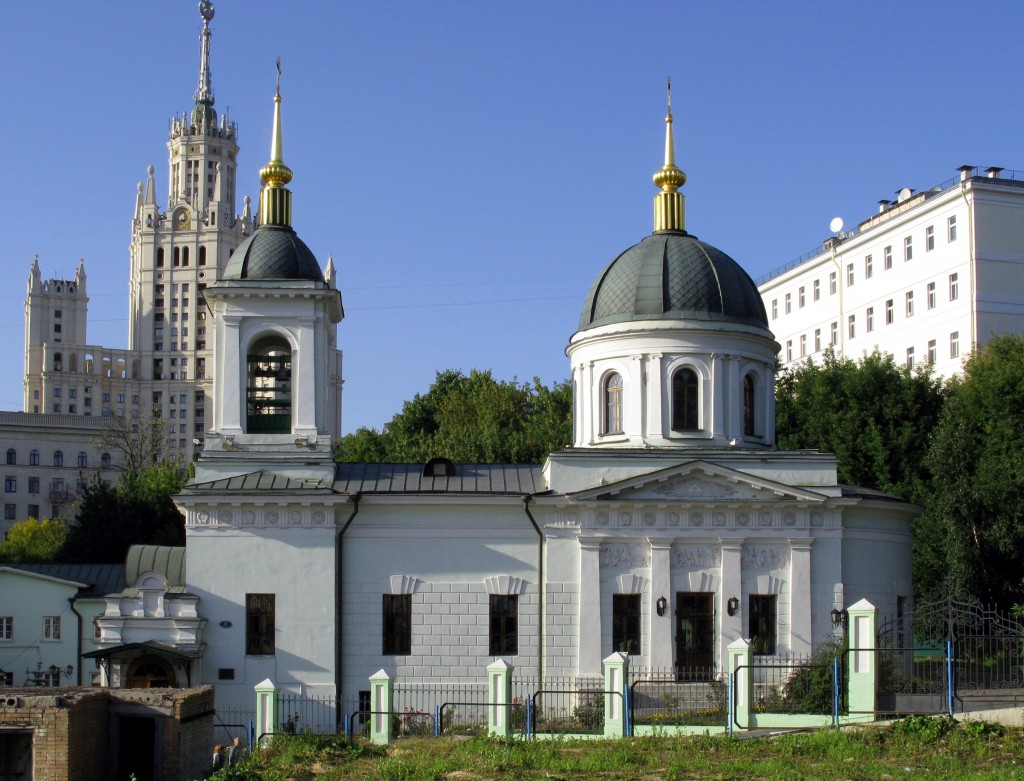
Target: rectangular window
x,y
762,624
10,512
72,393
259,624
789,303
817,339
910,357
931,295
626,623
908,248
835,334
869,318
51,627
775,309
954,344
817,290
832,284
10,485
951,229
789,350
910,303
851,323
890,313
6,627
801,298
932,351
887,255
56,393
33,512
868,267
803,345
849,274
954,287
929,238
504,621
397,614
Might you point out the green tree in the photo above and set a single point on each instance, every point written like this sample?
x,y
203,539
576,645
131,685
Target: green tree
x,y
33,541
135,510
976,512
876,418
470,419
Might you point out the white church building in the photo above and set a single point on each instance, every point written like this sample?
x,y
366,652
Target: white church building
x,y
669,528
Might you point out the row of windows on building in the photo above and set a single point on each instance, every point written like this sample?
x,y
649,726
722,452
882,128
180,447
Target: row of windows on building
x,y
51,628
58,459
33,511
180,256
685,402
869,270
931,354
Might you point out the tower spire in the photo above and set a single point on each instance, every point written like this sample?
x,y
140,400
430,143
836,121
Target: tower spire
x,y
275,198
669,204
203,115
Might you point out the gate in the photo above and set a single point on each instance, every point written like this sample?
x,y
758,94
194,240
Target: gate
x,y
951,653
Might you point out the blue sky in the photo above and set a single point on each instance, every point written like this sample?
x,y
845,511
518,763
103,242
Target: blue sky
x,y
473,166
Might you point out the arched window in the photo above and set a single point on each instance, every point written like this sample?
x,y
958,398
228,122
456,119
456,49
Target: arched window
x,y
58,458
613,404
160,257
12,456
105,459
268,393
749,420
83,459
685,401
33,458
202,256
184,256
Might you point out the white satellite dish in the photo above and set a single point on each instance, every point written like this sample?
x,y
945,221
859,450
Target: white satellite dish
x,y
836,225
904,194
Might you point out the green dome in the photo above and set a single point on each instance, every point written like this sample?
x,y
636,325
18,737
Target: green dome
x,y
273,252
671,275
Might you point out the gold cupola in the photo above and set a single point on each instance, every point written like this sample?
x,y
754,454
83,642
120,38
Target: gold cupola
x,y
275,198
669,204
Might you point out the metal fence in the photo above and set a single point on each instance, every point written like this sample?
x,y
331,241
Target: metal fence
x,y
448,707
677,697
804,685
315,713
559,705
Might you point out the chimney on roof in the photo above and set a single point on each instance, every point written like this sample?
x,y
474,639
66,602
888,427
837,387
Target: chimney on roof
x,y
883,205
993,172
965,172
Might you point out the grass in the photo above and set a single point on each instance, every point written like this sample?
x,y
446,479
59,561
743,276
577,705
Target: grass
x,y
916,748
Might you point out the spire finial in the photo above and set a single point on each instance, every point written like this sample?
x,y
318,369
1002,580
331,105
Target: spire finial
x,y
203,115
669,204
275,199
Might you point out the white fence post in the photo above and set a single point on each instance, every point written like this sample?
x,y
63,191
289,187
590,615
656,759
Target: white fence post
x,y
616,672
863,619
267,698
741,656
382,697
499,698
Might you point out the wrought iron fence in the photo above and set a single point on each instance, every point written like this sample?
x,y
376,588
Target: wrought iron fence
x,y
558,704
675,697
315,713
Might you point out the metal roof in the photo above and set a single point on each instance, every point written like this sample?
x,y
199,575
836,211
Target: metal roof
x,y
258,481
102,578
499,479
273,252
168,560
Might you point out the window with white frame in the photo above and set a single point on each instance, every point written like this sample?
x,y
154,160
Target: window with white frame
x,y
851,323
6,628
890,313
869,319
954,344
775,309
908,248
887,257
933,353
832,283
817,290
789,303
931,295
834,334
910,303
803,345
951,229
849,274
685,400
817,339
51,627
868,267
613,404
929,238
910,357
801,297
954,287
789,350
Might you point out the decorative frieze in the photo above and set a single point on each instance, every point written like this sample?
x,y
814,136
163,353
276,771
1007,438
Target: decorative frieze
x,y
695,557
765,557
257,517
624,556
695,517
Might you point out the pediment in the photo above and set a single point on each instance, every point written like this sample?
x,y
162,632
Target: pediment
x,y
696,481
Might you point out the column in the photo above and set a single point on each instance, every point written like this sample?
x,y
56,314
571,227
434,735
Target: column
x,y
382,689
499,699
661,651
801,641
731,579
590,607
230,398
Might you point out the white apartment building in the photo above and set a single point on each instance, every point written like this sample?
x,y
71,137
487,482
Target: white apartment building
x,y
176,250
929,277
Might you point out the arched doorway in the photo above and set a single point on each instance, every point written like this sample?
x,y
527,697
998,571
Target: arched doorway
x,y
150,672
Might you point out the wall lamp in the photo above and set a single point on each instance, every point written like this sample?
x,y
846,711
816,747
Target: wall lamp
x,y
662,605
732,606
840,617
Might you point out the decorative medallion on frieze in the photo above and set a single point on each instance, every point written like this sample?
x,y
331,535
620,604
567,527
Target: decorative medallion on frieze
x,y
623,556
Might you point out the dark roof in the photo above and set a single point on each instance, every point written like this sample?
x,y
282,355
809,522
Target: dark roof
x,y
168,560
870,493
258,481
507,479
147,647
673,275
273,252
101,578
